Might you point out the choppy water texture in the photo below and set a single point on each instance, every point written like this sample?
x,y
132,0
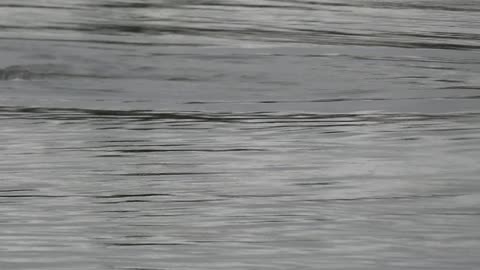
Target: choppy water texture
x,y
151,135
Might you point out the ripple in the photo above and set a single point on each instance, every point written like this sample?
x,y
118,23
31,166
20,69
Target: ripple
x,y
243,134
205,23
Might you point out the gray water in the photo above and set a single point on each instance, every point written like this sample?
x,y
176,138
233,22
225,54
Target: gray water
x,y
215,134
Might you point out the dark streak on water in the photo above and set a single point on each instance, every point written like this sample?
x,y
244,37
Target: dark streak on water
x,y
266,134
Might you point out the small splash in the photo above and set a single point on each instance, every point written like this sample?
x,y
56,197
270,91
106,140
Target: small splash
x,y
15,73
32,71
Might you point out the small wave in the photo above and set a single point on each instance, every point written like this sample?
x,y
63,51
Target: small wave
x,y
32,72
197,117
15,73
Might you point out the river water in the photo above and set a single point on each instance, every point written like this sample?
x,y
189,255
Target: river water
x,y
216,134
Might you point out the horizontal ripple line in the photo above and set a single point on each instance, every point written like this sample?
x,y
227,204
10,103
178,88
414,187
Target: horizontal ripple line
x,y
146,244
187,150
116,196
168,173
33,196
407,197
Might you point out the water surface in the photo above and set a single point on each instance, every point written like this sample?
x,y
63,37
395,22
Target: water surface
x,y
149,135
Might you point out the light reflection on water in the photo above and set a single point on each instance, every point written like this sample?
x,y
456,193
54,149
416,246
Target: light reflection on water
x,y
248,135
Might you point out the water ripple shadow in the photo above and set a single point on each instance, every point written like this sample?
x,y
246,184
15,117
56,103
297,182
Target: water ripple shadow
x,y
117,196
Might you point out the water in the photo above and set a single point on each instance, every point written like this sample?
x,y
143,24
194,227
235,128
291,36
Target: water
x,y
149,135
